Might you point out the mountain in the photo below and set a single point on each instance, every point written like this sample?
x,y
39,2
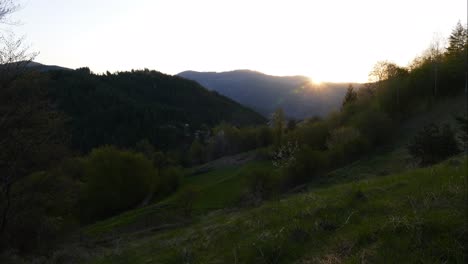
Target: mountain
x,y
45,68
298,97
123,108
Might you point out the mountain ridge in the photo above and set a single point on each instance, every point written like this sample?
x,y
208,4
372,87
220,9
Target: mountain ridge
x,y
296,95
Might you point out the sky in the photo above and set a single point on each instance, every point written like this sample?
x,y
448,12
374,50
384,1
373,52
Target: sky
x,y
329,40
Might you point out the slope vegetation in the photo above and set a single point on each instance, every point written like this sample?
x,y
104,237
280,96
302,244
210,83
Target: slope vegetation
x,y
415,216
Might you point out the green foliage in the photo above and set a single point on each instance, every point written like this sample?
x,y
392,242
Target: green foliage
x,y
312,134
307,166
433,144
263,136
350,96
32,138
170,179
374,125
346,144
458,40
115,181
342,136
186,200
44,208
463,135
263,184
196,153
278,124
230,140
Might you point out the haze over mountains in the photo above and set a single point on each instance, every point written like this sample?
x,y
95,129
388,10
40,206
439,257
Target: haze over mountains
x,y
296,95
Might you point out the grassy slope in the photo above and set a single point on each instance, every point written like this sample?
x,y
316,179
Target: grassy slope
x,y
224,185
415,216
215,189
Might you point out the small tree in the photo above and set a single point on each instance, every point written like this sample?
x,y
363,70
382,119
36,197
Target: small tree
x,y
433,144
351,96
186,200
285,154
463,125
196,153
114,181
342,136
28,124
458,39
263,184
279,125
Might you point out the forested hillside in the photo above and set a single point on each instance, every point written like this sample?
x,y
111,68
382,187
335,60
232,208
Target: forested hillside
x,y
123,108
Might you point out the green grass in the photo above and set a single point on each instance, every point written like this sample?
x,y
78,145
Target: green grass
x,y
378,164
216,189
417,216
222,188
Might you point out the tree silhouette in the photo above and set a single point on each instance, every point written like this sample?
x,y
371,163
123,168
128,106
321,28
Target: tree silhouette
x,y
350,96
31,131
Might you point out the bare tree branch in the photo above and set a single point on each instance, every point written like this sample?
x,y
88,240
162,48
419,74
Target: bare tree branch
x,y
7,7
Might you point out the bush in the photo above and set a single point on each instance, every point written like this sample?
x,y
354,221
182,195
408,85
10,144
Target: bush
x,y
196,153
307,165
433,144
346,144
169,181
42,209
342,136
262,184
375,125
463,135
115,181
186,199
313,134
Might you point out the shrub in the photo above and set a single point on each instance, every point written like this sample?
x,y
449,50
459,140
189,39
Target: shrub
x,y
42,209
186,200
313,134
262,184
285,154
307,165
196,153
342,136
463,126
375,125
433,144
169,181
115,180
345,144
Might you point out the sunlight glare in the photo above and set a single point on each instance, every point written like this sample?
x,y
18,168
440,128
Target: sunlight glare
x,y
315,81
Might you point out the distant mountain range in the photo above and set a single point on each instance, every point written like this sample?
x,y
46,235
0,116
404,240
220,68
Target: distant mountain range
x,y
45,68
296,95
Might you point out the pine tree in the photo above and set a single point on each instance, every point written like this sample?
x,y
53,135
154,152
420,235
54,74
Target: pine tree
x,y
458,40
351,96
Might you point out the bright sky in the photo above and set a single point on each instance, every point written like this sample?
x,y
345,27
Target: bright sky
x,y
328,40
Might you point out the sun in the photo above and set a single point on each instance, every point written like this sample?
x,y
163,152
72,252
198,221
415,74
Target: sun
x,y
315,81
